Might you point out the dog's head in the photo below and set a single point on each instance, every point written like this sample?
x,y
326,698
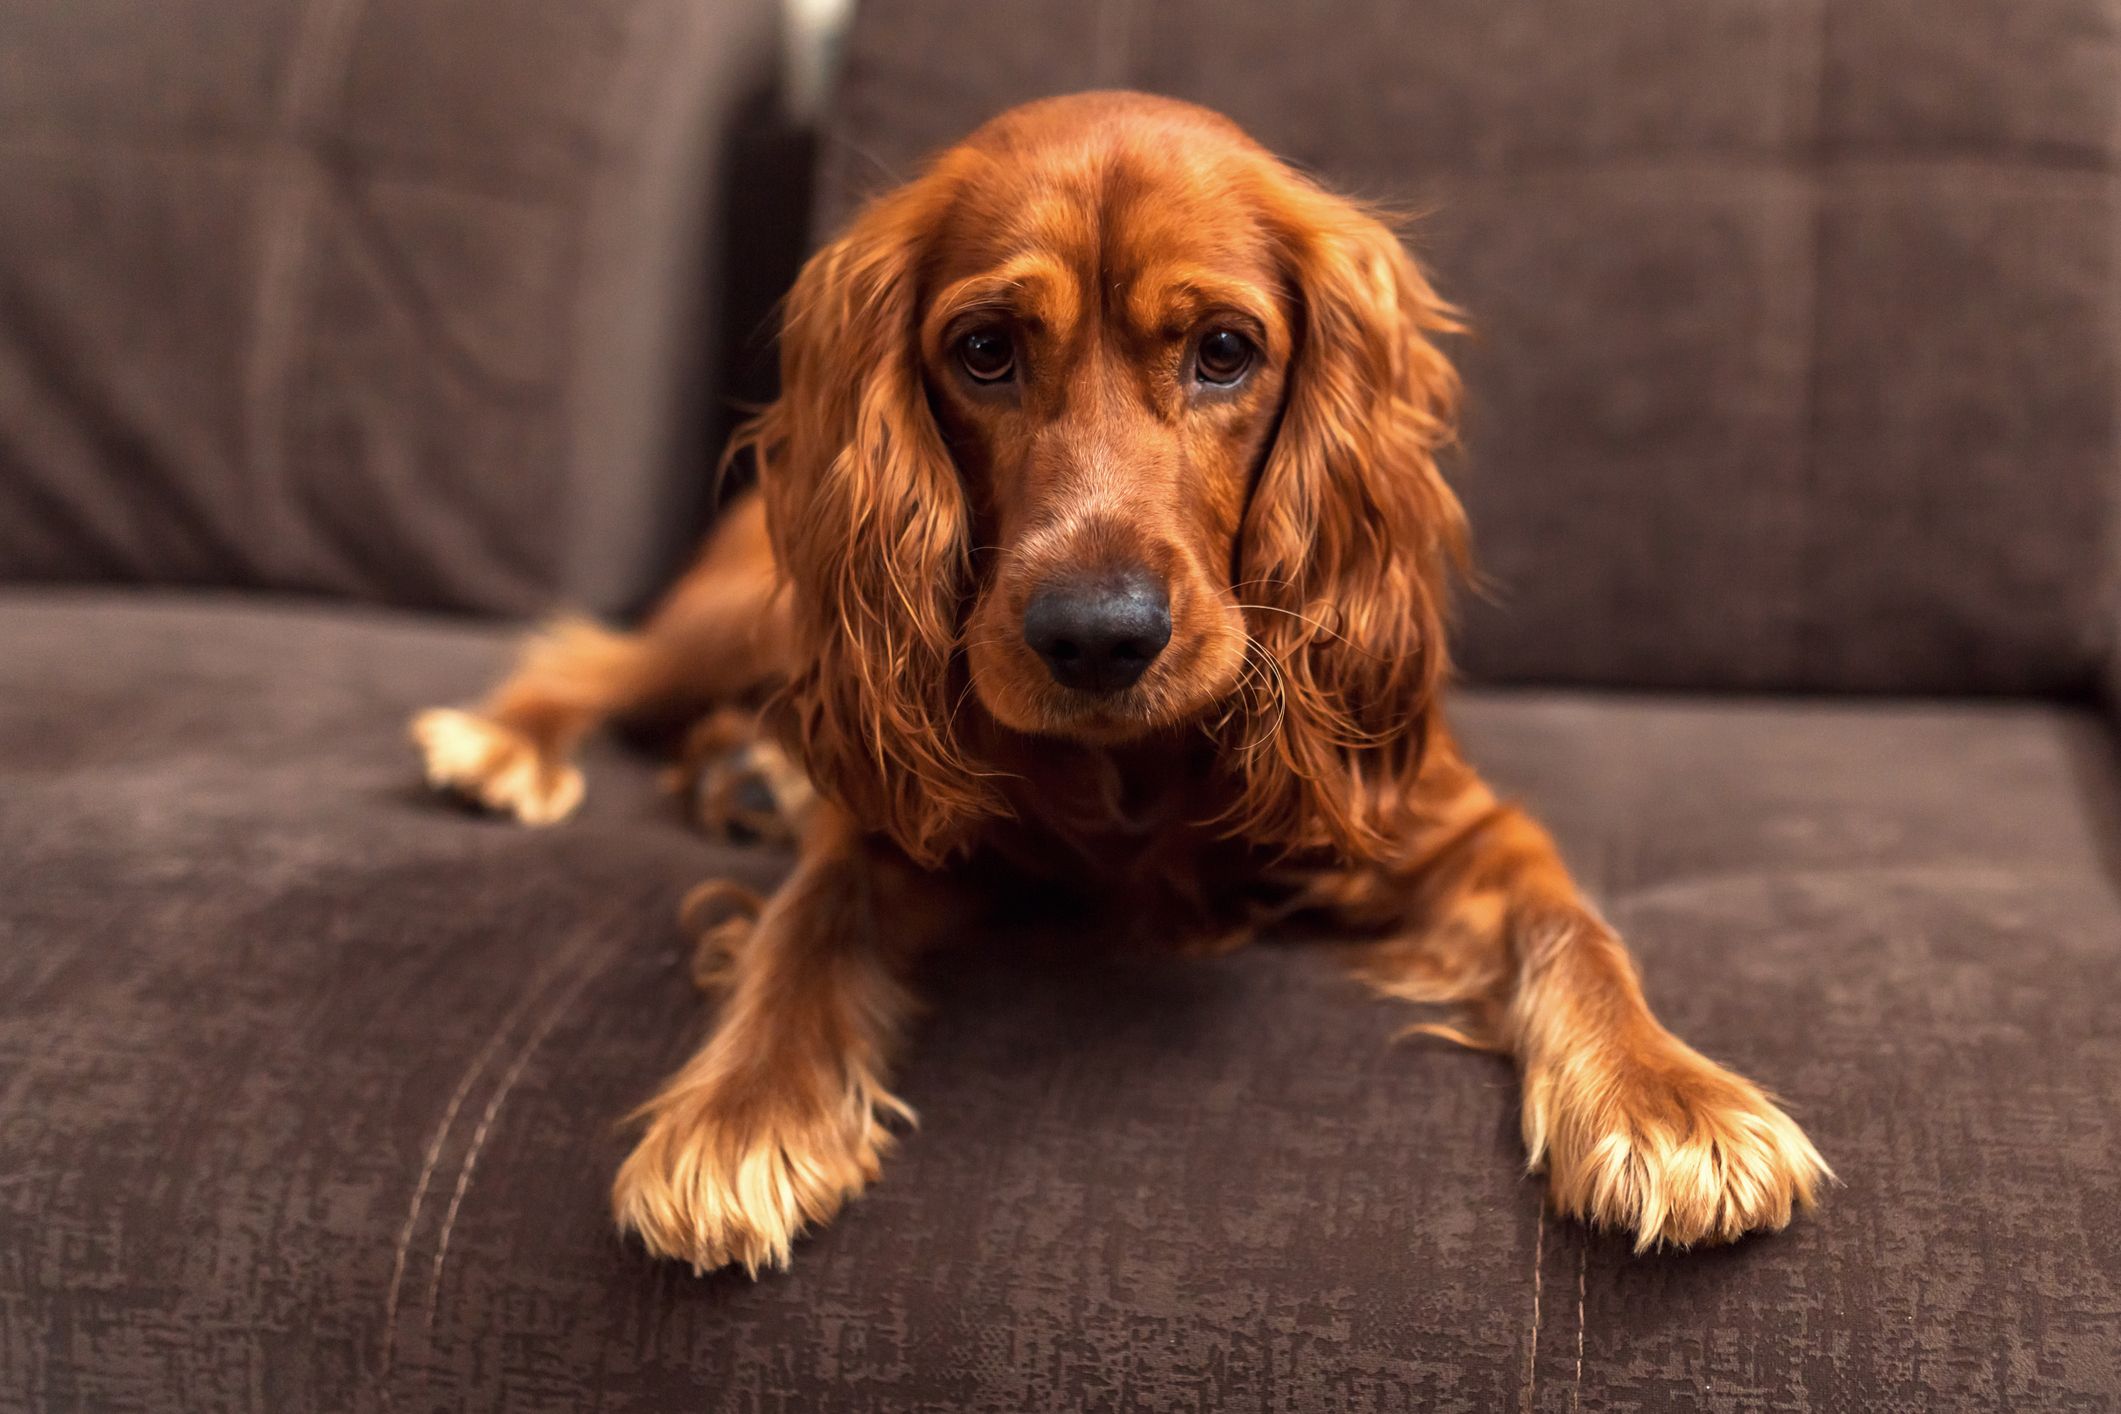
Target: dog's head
x,y
1111,424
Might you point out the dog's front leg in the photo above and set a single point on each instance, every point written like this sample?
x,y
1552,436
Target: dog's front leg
x,y
1637,1130
780,1116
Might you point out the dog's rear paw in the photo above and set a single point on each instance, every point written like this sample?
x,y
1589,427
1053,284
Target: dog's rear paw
x,y
738,783
495,767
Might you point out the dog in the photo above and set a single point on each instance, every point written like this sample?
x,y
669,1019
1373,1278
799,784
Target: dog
x,y
1099,541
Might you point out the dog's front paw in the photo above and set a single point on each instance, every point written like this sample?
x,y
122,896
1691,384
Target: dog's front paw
x,y
494,767
1666,1144
716,1183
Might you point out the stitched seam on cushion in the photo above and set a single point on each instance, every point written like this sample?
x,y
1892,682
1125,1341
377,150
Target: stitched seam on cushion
x,y
387,1360
1531,1355
1583,1261
552,1019
564,979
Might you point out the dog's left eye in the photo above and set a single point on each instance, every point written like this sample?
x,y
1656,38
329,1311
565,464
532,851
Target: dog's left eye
x,y
1223,357
989,355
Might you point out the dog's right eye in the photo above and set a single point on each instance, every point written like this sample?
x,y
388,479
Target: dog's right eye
x,y
1222,358
989,355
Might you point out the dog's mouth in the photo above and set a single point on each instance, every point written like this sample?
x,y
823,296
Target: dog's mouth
x,y
1105,719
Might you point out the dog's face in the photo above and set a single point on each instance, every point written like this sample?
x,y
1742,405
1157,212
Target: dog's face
x,y
1106,361
1111,423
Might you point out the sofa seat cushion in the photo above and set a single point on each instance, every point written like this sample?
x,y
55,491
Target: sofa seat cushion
x,y
308,1084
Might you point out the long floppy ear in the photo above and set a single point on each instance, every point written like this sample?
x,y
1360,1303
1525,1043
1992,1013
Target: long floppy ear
x,y
870,529
1352,538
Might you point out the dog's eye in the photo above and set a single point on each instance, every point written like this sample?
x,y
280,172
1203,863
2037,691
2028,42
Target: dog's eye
x,y
989,355
1223,357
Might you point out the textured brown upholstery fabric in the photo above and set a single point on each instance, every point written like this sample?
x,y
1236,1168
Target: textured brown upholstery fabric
x,y
1795,357
395,299
306,1082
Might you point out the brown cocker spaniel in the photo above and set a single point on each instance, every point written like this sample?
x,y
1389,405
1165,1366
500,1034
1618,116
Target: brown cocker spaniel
x,y
1100,542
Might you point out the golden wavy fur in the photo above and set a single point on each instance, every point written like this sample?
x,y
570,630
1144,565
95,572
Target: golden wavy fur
x,y
1106,351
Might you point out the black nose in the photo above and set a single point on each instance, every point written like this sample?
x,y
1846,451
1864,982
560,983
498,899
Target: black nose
x,y
1099,636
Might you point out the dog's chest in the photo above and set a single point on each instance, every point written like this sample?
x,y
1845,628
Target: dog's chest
x,y
1134,837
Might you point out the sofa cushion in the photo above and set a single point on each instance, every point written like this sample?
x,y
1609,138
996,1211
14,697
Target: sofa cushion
x,y
307,1083
399,301
1793,361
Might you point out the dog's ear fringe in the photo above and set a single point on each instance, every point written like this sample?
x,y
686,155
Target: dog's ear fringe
x,y
1351,545
871,532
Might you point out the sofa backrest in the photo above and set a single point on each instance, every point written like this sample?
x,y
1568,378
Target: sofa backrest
x,y
1794,363
396,299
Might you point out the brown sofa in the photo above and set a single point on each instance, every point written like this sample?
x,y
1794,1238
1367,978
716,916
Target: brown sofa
x,y
335,337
